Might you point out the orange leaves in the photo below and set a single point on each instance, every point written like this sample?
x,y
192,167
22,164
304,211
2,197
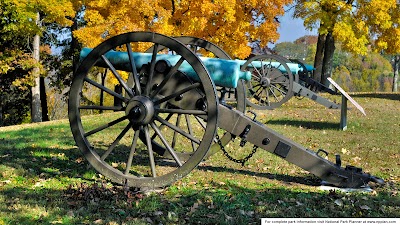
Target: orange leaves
x,y
227,23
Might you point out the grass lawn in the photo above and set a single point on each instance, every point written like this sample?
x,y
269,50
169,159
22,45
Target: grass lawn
x,y
44,179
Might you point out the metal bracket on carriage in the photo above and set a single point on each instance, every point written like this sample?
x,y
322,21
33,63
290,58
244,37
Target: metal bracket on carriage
x,y
349,172
244,134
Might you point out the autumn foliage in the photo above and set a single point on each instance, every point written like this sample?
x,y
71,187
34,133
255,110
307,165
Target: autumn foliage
x,y
230,24
355,24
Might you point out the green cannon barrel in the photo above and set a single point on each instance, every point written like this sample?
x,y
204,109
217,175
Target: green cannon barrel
x,y
224,73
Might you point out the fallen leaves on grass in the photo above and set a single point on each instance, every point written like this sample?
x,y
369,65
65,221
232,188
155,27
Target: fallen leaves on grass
x,y
83,194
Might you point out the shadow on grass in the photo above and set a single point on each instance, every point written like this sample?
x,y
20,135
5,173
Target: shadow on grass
x,y
217,204
306,124
306,180
390,96
22,151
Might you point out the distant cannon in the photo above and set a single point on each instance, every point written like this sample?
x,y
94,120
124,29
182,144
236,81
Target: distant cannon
x,y
170,114
267,90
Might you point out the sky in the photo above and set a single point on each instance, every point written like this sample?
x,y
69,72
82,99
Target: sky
x,y
291,29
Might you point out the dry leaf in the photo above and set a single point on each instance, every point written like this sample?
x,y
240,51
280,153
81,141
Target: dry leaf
x,y
194,207
365,207
158,213
339,202
299,203
228,217
98,221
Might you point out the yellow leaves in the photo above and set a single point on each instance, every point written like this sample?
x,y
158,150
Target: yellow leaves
x,y
57,11
353,38
227,23
354,24
112,80
94,17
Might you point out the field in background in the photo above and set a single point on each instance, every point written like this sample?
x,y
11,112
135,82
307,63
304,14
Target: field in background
x,y
45,179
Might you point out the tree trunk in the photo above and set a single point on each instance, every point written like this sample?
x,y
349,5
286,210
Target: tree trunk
x,y
43,100
396,67
36,114
75,46
327,64
319,55
103,79
1,111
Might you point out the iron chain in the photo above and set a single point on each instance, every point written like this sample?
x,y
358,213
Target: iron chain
x,y
241,161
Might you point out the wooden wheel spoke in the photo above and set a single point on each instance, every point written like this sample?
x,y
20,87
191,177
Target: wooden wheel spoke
x,y
268,101
278,76
278,89
110,124
177,123
162,125
150,151
256,69
201,122
165,142
178,129
116,141
152,67
182,111
273,93
257,91
285,82
265,100
116,75
190,130
133,67
101,87
173,70
204,125
112,108
132,152
256,78
176,94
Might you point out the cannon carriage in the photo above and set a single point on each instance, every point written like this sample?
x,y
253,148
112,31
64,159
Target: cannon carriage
x,y
171,114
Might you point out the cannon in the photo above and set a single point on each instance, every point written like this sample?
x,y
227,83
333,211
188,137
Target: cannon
x,y
170,114
267,91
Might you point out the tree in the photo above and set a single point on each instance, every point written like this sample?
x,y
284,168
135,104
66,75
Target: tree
x,y
302,48
230,24
291,50
352,23
362,73
36,112
18,25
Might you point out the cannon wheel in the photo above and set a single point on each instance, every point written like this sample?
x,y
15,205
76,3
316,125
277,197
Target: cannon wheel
x,y
269,87
111,143
197,45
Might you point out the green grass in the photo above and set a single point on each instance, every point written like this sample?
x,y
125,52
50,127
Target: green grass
x,y
44,179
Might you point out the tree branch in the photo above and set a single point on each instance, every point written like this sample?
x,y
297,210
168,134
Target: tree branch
x,y
173,6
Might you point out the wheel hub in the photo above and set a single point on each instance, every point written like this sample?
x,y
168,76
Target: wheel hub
x,y
140,110
265,82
